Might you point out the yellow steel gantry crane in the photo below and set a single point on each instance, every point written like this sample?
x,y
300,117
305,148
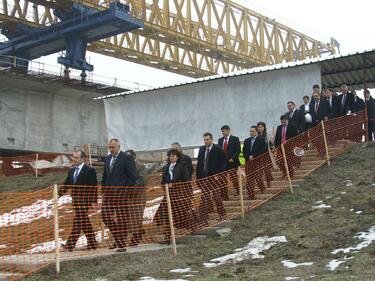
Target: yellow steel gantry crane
x,y
194,38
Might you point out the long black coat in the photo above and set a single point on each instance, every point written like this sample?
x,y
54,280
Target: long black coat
x,y
186,160
259,147
323,111
233,151
358,105
216,161
180,197
84,192
124,172
344,108
297,119
180,173
371,109
333,104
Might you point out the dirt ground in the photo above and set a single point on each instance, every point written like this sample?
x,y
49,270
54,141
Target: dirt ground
x,y
348,186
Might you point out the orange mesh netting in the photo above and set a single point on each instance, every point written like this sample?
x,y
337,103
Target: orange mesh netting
x,y
97,217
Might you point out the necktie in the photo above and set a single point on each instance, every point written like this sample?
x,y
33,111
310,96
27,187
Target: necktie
x,y
205,167
252,144
291,115
316,106
112,164
225,146
283,135
75,175
343,100
330,102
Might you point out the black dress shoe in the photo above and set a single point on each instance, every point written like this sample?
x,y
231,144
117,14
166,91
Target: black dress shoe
x,y
67,249
121,249
134,242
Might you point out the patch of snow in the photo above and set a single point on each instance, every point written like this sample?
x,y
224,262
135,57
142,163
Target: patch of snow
x,y
368,237
373,184
149,212
351,210
322,206
359,212
251,250
101,279
40,209
188,275
182,270
290,264
223,232
148,278
292,278
319,202
333,264
343,192
349,183
50,246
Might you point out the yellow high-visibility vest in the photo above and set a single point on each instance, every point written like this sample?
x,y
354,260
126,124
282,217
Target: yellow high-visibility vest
x,y
240,157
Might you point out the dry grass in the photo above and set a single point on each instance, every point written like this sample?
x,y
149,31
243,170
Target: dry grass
x,y
311,234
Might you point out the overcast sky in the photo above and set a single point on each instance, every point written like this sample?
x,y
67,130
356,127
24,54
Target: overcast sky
x,y
349,22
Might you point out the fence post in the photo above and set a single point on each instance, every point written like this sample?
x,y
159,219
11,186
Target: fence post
x,y
241,192
170,219
366,122
325,143
56,220
36,164
287,168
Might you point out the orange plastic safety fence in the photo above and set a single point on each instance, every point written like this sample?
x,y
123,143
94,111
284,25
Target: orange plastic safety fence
x,y
92,220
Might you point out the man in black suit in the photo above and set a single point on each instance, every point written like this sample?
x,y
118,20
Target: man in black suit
x,y
319,109
358,103
296,117
285,132
333,103
211,164
232,148
370,104
119,172
253,147
345,101
305,108
82,182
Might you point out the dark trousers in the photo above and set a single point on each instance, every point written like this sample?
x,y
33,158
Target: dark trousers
x,y
211,194
232,177
135,203
254,176
280,161
267,169
114,204
81,223
371,130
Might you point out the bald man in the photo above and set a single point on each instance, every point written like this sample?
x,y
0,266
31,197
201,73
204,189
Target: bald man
x,y
119,172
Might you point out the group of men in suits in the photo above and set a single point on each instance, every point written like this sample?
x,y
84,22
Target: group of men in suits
x,y
119,205
121,169
327,104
